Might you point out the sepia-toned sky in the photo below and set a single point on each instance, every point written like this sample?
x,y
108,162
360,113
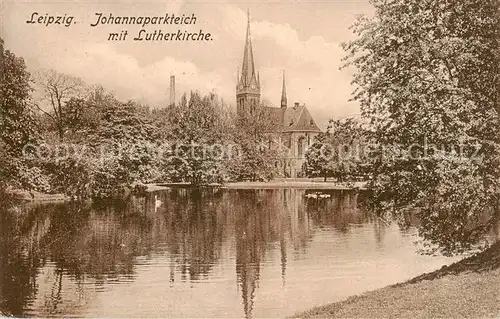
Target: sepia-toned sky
x,y
301,37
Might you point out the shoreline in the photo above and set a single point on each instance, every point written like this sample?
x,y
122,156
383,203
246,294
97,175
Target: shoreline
x,y
275,184
467,288
296,184
153,187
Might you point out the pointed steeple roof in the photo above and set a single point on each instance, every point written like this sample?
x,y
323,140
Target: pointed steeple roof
x,y
248,68
283,92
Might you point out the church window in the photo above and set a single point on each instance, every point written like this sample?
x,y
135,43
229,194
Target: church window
x,y
311,122
300,146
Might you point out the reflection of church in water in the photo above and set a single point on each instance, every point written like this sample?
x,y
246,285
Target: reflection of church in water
x,y
261,219
283,220
294,126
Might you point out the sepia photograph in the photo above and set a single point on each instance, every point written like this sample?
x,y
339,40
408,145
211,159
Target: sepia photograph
x,y
250,159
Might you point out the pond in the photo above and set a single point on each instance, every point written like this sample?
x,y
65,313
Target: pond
x,y
189,253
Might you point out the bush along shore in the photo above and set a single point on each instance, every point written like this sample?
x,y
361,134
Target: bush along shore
x,y
469,288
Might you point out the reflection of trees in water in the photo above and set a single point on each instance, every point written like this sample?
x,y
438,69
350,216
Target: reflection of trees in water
x,y
80,242
344,209
195,224
339,211
123,232
19,263
98,242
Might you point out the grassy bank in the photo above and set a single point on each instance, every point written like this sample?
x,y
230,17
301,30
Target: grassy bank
x,y
469,288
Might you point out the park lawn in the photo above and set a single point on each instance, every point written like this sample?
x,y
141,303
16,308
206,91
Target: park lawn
x,y
467,289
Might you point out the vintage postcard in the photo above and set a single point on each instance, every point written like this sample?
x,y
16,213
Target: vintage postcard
x,y
250,159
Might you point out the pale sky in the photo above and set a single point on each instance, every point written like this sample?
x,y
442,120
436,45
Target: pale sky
x,y
301,37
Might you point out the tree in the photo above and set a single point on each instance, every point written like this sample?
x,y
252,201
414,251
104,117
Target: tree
x,y
260,152
64,95
122,143
427,81
339,152
198,134
18,125
317,155
114,148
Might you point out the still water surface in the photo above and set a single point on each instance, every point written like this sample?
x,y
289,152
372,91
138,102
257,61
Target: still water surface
x,y
185,253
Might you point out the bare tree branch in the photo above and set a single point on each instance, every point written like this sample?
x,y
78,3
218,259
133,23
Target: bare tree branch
x,y
57,89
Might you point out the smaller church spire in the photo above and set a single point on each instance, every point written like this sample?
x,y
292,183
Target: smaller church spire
x,y
283,93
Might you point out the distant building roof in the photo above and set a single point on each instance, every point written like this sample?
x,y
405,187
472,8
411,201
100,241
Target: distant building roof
x,y
292,119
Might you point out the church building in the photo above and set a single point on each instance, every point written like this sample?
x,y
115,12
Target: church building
x,y
294,126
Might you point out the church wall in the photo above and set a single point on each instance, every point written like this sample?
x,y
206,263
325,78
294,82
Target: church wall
x,y
296,160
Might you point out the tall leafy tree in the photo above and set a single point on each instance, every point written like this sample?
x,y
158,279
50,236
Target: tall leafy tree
x,y
339,152
18,124
260,152
427,80
122,141
17,121
198,135
114,150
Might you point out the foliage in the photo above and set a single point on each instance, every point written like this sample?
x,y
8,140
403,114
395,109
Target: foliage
x,y
426,78
110,149
111,179
70,176
198,137
341,151
316,159
64,96
259,151
17,122
18,126
119,148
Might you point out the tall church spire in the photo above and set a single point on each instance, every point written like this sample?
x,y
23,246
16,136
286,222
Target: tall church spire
x,y
248,68
283,92
248,83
